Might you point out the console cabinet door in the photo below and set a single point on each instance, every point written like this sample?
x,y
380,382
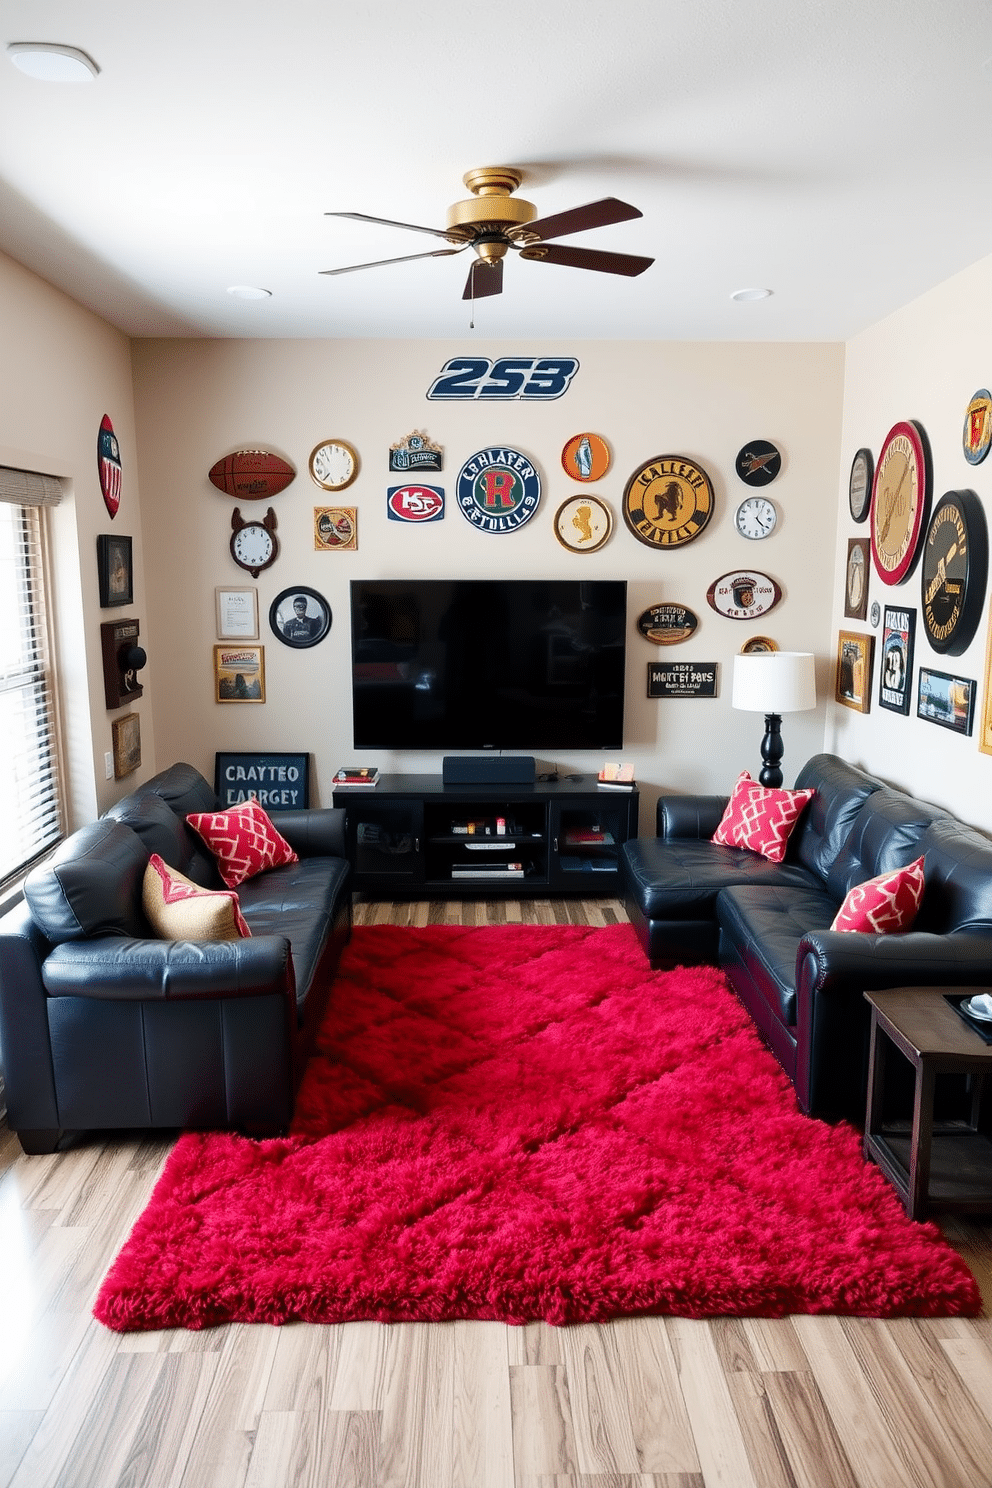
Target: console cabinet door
x,y
586,836
385,843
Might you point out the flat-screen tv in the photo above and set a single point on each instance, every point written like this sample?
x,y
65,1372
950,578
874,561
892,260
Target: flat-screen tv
x,y
442,664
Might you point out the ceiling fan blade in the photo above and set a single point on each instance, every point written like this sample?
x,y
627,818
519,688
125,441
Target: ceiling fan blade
x,y
629,264
484,279
593,214
435,232
407,258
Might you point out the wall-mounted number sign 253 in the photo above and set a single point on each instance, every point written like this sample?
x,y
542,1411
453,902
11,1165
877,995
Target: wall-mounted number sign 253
x,y
537,378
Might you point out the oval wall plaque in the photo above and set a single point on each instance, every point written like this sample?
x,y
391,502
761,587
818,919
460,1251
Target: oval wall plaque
x,y
667,624
743,595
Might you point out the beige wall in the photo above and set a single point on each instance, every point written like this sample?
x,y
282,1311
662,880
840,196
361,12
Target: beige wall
x,y
198,400
923,363
61,370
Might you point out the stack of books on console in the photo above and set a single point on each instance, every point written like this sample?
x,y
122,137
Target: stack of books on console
x,y
356,775
487,870
617,777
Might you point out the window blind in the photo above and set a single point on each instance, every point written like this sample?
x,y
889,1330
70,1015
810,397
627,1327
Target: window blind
x,y
30,811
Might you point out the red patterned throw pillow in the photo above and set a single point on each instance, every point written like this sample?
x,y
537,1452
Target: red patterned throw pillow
x,y
180,910
760,818
243,841
884,905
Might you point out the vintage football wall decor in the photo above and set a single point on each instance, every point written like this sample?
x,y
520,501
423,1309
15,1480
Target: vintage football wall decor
x,y
253,544
415,503
895,677
108,462
251,475
335,529
415,452
954,569
668,501
498,489
900,501
856,578
333,464
977,432
743,594
859,484
758,463
583,524
534,379
667,624
586,457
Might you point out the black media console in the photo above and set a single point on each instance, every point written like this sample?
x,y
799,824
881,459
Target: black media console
x,y
412,836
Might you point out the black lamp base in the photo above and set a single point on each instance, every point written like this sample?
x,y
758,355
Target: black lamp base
x,y
771,752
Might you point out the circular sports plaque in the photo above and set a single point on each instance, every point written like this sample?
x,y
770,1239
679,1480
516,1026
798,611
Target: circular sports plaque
x,y
900,502
583,523
758,463
667,624
954,568
977,433
586,457
859,485
668,501
743,595
498,489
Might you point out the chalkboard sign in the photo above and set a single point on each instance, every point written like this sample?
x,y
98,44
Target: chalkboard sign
x,y
279,782
682,679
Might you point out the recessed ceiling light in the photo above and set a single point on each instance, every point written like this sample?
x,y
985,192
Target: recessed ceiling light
x,y
743,295
248,292
52,62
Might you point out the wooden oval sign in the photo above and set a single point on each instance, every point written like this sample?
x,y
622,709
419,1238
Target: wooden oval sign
x,y
667,624
743,595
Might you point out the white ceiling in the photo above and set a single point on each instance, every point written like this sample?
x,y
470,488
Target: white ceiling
x,y
835,151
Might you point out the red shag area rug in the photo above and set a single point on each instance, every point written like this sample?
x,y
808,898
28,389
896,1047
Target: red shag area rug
x,y
520,1123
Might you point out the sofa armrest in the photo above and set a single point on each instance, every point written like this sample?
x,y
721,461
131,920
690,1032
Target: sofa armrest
x,y
314,833
845,963
694,817
120,969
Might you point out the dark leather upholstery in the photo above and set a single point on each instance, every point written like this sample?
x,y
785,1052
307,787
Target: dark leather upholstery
x,y
104,1025
768,925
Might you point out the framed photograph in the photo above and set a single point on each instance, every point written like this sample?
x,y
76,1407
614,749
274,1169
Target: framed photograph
x,y
127,744
895,678
279,782
855,655
113,558
239,674
985,734
947,700
856,578
335,529
300,617
237,614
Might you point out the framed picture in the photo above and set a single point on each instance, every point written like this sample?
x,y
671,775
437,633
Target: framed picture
x,y
113,558
335,528
985,734
279,782
855,655
300,617
856,578
895,678
127,744
239,674
237,614
947,700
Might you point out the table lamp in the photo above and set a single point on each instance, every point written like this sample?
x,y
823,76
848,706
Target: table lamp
x,y
773,683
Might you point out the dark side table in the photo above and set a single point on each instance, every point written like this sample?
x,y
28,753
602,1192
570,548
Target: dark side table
x,y
931,1166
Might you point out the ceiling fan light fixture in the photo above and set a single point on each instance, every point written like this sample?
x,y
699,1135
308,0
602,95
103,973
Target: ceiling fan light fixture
x,y
51,62
249,292
745,296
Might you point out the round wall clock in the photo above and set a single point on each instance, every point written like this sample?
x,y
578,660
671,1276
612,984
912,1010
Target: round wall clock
x,y
859,484
900,501
668,501
756,518
977,433
954,568
583,523
743,595
253,544
586,457
758,463
667,624
333,464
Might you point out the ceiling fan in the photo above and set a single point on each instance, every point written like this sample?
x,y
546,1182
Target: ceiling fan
x,y
493,220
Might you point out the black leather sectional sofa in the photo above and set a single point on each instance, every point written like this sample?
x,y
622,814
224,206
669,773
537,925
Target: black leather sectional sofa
x,y
104,1026
768,924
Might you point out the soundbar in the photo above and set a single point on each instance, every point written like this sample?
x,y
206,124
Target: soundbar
x,y
489,769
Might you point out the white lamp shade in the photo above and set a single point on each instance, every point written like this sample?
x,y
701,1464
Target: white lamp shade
x,y
775,682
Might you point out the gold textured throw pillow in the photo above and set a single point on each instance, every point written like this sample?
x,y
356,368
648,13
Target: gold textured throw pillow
x,y
180,910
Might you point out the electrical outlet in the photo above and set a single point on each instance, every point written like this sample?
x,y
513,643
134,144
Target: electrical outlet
x,y
108,765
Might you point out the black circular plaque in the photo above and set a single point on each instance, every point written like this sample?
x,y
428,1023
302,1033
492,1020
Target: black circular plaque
x,y
954,569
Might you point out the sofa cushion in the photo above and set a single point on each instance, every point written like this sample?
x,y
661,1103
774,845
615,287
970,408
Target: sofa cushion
x,y
760,818
180,910
166,834
91,885
958,867
886,834
298,900
680,880
764,925
243,840
883,905
841,791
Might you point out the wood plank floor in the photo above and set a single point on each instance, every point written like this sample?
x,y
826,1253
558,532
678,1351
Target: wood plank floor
x,y
801,1402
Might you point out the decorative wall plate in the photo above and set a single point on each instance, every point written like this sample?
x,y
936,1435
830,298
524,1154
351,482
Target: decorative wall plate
x,y
586,457
859,484
335,528
856,578
668,501
900,501
743,594
667,624
755,644
333,464
498,489
758,463
108,460
954,569
415,452
583,523
977,433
